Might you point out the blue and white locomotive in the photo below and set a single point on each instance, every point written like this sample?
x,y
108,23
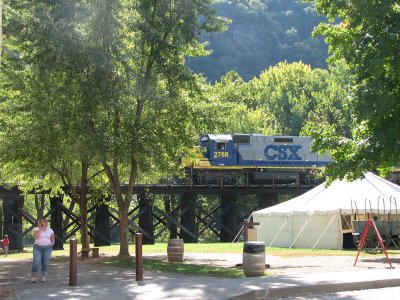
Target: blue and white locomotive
x,y
253,158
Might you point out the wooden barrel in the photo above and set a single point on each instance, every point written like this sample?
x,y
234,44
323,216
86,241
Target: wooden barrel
x,y
254,259
175,250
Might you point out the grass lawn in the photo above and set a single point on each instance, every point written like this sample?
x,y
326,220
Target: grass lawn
x,y
174,267
161,247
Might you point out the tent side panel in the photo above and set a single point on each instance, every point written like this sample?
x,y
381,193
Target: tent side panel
x,y
274,231
317,231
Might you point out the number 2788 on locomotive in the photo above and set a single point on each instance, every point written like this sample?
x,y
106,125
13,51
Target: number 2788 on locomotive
x,y
253,158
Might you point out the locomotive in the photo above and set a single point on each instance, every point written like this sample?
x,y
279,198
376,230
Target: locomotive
x,y
253,159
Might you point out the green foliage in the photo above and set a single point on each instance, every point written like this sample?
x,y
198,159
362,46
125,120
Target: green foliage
x,y
233,103
333,104
100,80
367,39
289,98
45,112
96,92
291,94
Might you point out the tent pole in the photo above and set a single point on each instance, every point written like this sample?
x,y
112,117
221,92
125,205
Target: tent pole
x,y
240,232
301,230
279,231
326,228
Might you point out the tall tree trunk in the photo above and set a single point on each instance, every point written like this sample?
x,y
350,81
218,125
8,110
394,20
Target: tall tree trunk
x,y
124,235
123,207
84,225
123,203
83,206
123,229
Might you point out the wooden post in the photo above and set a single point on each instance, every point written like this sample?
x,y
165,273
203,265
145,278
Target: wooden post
x,y
72,262
139,257
246,225
246,230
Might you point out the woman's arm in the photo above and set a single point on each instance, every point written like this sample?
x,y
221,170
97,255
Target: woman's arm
x,y
52,239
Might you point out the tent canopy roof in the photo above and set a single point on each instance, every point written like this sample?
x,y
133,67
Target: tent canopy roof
x,y
370,194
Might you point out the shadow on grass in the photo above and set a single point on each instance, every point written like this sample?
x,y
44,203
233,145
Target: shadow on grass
x,y
173,267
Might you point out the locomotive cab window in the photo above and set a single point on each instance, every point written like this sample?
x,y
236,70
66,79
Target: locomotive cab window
x,y
220,146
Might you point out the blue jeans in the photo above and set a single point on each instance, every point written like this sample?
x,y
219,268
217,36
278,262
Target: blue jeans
x,y
41,257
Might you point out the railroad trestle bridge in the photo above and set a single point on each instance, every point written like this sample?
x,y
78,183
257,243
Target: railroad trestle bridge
x,y
179,213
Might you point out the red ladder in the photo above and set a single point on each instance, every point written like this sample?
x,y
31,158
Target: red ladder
x,y
364,236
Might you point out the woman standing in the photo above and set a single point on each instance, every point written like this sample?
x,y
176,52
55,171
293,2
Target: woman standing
x,y
44,241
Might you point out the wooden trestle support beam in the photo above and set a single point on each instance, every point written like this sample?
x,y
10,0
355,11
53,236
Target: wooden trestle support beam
x,y
183,217
186,219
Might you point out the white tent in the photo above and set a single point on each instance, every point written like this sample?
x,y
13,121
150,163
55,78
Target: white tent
x,y
314,219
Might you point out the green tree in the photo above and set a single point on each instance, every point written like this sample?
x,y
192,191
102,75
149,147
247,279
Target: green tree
x,y
97,92
148,126
367,39
236,108
288,92
48,97
332,107
287,99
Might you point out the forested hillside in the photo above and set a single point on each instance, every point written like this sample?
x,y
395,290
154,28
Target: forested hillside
x,y
262,33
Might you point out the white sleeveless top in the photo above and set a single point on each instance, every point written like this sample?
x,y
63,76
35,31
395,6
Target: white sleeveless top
x,y
44,237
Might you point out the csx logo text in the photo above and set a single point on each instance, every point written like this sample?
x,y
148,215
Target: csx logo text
x,y
282,152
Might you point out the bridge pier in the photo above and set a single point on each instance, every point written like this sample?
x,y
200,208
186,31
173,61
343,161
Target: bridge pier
x,y
102,235
146,219
188,218
169,203
56,221
12,212
228,215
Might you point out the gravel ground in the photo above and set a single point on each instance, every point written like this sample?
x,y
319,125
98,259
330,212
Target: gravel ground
x,y
111,281
277,265
391,293
294,265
